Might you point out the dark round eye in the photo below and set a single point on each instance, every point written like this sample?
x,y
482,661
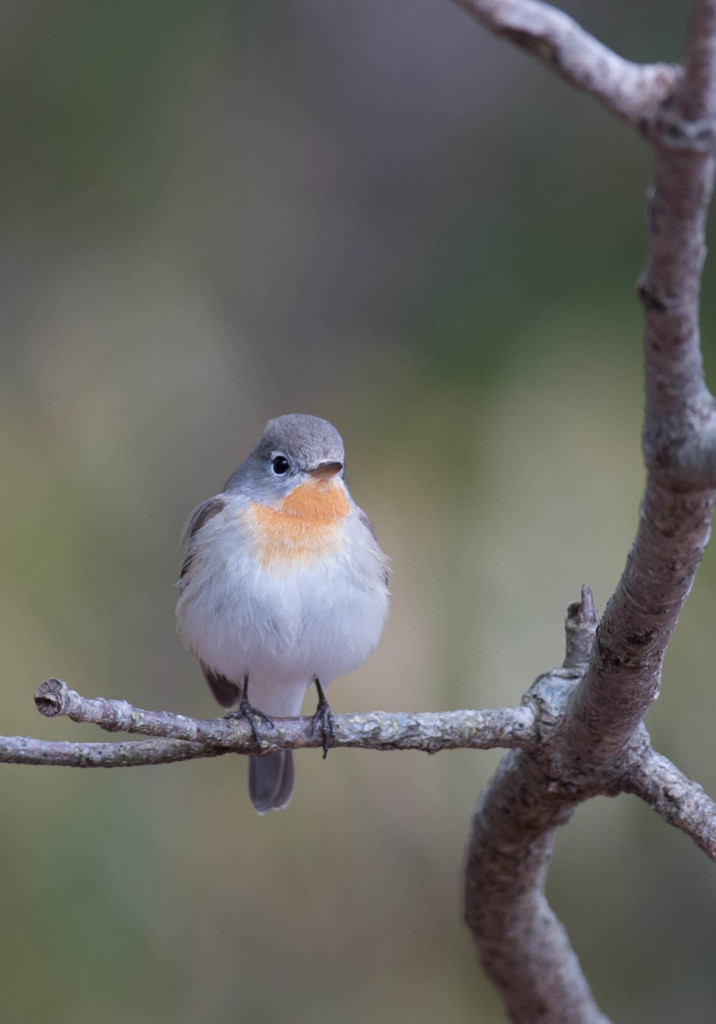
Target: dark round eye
x,y
280,464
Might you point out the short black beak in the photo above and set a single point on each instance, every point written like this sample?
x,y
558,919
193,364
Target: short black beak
x,y
326,469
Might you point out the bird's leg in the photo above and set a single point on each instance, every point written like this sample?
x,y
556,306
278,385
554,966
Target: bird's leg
x,y
249,712
323,718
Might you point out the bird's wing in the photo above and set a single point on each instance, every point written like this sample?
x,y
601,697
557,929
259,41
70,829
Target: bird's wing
x,y
368,523
201,514
226,692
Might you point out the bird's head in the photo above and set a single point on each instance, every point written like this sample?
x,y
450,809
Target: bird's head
x,y
295,451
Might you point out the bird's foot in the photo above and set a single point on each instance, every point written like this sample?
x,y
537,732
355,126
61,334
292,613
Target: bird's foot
x,y
251,714
323,720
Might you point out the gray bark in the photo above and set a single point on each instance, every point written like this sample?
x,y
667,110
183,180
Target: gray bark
x,y
598,742
579,731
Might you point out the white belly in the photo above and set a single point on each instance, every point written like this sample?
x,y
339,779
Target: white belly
x,y
282,626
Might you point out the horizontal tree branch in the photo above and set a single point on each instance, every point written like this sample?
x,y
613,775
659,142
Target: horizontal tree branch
x,y
634,92
374,730
131,754
531,727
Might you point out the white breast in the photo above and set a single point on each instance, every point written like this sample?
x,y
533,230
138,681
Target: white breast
x,y
285,624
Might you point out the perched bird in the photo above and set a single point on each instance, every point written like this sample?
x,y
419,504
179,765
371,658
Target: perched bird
x,y
283,586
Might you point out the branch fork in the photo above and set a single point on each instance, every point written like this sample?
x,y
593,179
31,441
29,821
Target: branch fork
x,y
592,737
579,731
536,788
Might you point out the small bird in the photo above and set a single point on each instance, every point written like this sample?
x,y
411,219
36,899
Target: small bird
x,y
283,585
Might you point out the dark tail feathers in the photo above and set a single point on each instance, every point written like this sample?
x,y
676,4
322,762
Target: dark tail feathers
x,y
271,781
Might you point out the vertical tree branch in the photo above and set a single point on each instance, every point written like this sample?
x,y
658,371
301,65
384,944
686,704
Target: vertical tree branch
x,y
697,93
523,947
624,672
680,423
595,742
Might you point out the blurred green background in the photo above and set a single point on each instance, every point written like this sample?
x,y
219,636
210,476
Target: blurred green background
x,y
217,212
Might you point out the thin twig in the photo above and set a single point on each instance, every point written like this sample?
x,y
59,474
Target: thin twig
x,y
678,799
632,91
27,750
580,627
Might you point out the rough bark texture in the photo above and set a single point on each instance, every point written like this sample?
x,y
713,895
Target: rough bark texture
x,y
597,743
373,730
26,750
625,668
523,947
679,800
578,732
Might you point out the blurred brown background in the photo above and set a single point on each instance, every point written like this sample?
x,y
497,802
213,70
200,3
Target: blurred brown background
x,y
215,212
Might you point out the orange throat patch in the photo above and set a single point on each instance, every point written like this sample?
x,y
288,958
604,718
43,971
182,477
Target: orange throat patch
x,y
301,527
